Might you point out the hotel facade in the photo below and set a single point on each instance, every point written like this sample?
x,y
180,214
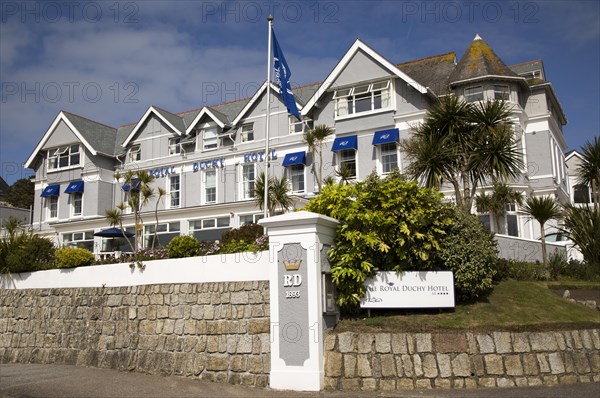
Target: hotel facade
x,y
207,160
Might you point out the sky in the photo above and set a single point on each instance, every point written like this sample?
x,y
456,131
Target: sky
x,y
109,61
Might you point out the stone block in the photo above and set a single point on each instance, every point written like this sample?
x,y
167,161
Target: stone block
x,y
178,329
346,342
486,343
530,365
560,341
418,365
388,367
493,364
239,297
256,326
513,365
586,339
550,380
487,382
596,338
472,343
543,363
350,384
504,382
349,365
461,366
244,344
443,384
333,364
405,384
387,384
568,379
363,368
430,366
383,343
520,342
450,342
556,363
329,384
581,362
594,360
521,381
423,342
398,343
365,343
576,338
543,342
443,361
423,384
216,362
502,342
369,384
255,364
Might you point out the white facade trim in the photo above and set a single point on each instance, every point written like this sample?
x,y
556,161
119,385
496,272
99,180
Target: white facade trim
x,y
139,124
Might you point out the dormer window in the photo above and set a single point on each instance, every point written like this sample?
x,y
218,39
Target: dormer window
x,y
135,153
63,157
501,93
210,139
362,98
473,94
174,146
247,132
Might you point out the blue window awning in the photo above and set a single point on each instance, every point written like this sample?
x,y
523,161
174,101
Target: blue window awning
x,y
295,158
51,190
343,143
135,185
74,187
386,136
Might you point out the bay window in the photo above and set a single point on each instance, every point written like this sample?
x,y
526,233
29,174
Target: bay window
x,y
63,157
362,98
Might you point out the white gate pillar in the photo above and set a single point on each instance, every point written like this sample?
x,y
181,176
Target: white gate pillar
x,y
298,243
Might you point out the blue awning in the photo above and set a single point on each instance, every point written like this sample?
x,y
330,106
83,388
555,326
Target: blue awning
x,y
135,184
74,187
51,190
292,159
343,143
386,136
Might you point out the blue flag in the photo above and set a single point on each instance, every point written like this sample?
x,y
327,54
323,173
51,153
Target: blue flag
x,y
282,79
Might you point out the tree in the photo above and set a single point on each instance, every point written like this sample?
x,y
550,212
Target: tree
x,y
463,144
543,209
161,193
583,226
21,193
278,193
589,170
495,203
314,139
115,218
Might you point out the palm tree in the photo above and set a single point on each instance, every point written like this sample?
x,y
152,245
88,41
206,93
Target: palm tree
x,y
542,208
314,140
115,218
589,169
583,226
161,194
463,144
138,196
278,193
496,202
345,174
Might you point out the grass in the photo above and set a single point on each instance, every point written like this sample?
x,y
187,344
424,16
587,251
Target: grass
x,y
513,306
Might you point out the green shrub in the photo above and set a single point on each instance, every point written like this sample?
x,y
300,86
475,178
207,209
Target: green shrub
x,y
581,271
71,257
386,224
246,233
183,246
520,270
28,253
469,250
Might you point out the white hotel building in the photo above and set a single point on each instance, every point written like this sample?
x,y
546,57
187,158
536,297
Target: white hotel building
x,y
208,159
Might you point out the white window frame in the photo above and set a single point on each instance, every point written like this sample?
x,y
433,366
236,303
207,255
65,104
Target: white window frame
x,y
64,152
212,146
135,153
341,160
512,209
169,229
52,207
244,193
255,218
204,223
174,193
174,146
501,95
468,96
205,186
346,98
381,154
290,176
73,199
247,132
72,240
304,125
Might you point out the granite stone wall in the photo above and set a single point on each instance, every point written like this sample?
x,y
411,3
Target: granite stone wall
x,y
213,331
389,361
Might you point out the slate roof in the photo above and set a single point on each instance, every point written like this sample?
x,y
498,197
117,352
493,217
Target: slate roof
x,y
98,135
432,72
530,66
479,60
174,119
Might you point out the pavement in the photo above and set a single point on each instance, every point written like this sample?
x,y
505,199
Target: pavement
x,y
62,381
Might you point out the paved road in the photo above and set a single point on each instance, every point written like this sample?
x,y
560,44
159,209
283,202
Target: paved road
x,y
60,381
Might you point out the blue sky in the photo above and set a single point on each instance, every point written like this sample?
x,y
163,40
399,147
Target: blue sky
x,y
109,61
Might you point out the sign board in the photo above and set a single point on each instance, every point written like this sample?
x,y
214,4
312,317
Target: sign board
x,y
410,289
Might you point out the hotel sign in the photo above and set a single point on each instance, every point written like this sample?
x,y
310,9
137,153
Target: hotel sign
x,y
410,289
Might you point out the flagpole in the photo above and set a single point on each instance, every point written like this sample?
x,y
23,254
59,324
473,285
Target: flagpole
x,y
266,174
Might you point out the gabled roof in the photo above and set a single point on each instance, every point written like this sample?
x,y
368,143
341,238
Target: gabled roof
x,y
96,137
432,72
175,122
216,116
356,47
480,61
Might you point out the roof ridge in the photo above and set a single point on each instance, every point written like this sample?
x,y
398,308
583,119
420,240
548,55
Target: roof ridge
x,y
527,62
88,119
429,57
